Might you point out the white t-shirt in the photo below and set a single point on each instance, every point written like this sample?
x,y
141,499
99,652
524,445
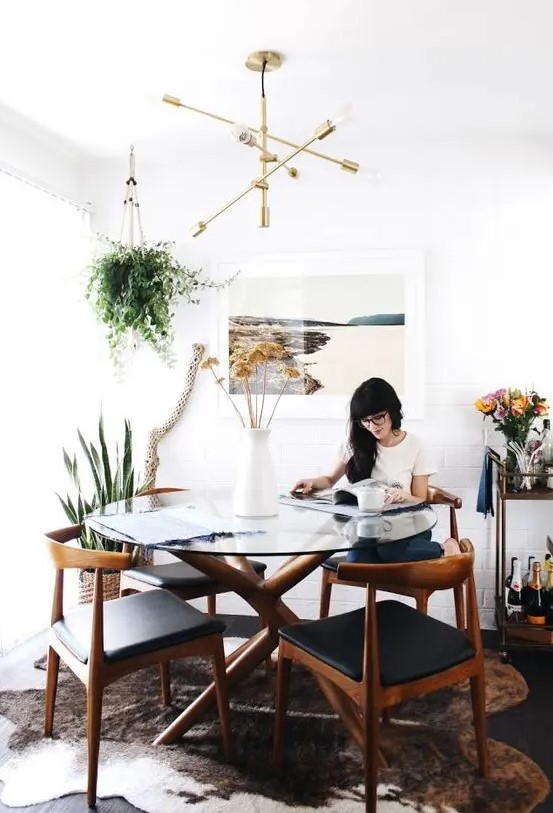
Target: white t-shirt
x,y
397,465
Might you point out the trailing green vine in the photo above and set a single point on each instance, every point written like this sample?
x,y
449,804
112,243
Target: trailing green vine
x,y
133,291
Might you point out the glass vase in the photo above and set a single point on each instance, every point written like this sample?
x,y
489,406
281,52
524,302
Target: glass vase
x,y
517,465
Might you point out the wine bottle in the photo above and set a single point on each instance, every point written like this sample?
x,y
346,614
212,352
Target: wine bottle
x,y
548,596
547,566
528,575
515,600
509,578
533,597
547,443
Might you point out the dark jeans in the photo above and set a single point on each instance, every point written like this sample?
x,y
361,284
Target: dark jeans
x,y
412,549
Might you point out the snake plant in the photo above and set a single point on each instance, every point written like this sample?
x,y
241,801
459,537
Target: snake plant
x,y
111,478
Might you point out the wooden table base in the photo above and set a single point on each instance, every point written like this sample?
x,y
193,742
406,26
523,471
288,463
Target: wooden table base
x,y
265,596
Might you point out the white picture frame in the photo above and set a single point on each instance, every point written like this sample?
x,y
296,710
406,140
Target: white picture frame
x,y
330,288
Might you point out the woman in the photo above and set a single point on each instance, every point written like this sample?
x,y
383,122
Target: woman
x,y
379,448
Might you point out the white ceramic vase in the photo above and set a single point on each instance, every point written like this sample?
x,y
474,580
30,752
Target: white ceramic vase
x,y
255,491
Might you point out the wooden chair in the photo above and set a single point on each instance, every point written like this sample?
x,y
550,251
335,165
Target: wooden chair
x,y
434,496
387,652
103,641
180,578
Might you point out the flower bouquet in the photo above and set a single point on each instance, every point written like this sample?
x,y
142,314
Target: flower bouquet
x,y
513,412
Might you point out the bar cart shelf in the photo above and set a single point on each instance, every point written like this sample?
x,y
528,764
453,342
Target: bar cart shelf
x,y
520,635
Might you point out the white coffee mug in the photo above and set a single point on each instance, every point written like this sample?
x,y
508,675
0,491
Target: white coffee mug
x,y
371,499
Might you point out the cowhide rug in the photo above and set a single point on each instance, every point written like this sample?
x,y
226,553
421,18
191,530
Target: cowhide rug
x,y
429,746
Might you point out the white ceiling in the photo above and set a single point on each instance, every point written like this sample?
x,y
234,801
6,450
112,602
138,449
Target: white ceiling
x,y
95,74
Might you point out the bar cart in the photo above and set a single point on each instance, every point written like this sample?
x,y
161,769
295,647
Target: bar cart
x,y
514,635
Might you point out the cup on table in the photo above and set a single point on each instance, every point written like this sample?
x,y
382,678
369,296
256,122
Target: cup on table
x,y
371,499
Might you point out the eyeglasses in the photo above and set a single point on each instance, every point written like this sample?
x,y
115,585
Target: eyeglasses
x,y
376,420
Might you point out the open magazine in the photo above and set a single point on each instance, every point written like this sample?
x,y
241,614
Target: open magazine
x,y
343,500
345,494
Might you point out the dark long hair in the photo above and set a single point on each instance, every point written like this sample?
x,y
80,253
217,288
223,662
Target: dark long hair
x,y
370,397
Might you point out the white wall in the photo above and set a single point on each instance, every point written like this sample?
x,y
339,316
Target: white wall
x,y
40,369
480,211
39,156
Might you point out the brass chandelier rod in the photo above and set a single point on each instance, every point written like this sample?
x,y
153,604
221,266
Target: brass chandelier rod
x,y
344,163
262,61
259,183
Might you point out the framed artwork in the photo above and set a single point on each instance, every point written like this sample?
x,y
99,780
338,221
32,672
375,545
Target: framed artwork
x,y
341,317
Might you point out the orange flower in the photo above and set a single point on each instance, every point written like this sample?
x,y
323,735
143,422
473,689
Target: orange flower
x,y
513,411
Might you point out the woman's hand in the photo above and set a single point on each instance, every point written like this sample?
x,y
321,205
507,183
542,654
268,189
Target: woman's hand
x,y
308,485
395,495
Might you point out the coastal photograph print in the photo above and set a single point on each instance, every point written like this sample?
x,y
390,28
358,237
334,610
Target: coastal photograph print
x,y
340,319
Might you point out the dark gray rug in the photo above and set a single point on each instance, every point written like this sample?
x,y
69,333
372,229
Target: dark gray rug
x,y
429,746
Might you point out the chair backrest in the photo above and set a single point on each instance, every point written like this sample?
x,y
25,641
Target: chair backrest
x,y
161,490
66,556
435,574
438,496
454,572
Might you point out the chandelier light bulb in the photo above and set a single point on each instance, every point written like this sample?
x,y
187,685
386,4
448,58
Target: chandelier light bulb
x,y
243,134
370,175
344,113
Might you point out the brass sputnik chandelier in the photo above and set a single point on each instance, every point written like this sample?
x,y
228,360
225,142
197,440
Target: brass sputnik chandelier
x,y
262,62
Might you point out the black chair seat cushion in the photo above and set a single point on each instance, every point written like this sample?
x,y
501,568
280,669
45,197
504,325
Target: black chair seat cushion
x,y
333,562
412,645
136,625
179,574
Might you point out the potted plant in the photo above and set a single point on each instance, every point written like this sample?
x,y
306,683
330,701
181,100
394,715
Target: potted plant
x,y
133,289
110,477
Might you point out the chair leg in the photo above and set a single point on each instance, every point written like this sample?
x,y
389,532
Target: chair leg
x,y
422,601
459,597
211,604
326,588
371,734
93,725
165,678
221,690
478,696
52,671
281,703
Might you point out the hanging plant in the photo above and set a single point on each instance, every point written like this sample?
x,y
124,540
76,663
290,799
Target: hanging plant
x,y
134,289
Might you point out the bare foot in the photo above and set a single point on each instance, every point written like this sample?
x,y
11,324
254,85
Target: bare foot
x,y
451,547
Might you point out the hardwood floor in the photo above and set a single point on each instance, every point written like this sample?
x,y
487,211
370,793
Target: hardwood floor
x,y
528,727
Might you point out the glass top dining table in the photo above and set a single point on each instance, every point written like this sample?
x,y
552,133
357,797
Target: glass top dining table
x,y
161,521
169,521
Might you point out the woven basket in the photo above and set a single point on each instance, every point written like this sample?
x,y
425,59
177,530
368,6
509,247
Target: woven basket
x,y
86,586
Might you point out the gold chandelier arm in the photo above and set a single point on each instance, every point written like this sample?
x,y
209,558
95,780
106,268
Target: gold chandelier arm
x,y
344,163
321,132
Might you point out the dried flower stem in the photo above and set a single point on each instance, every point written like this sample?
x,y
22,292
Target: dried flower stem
x,y
276,402
264,387
245,366
248,393
217,381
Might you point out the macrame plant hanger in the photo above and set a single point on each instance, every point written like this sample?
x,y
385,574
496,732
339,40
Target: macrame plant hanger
x,y
131,208
131,219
